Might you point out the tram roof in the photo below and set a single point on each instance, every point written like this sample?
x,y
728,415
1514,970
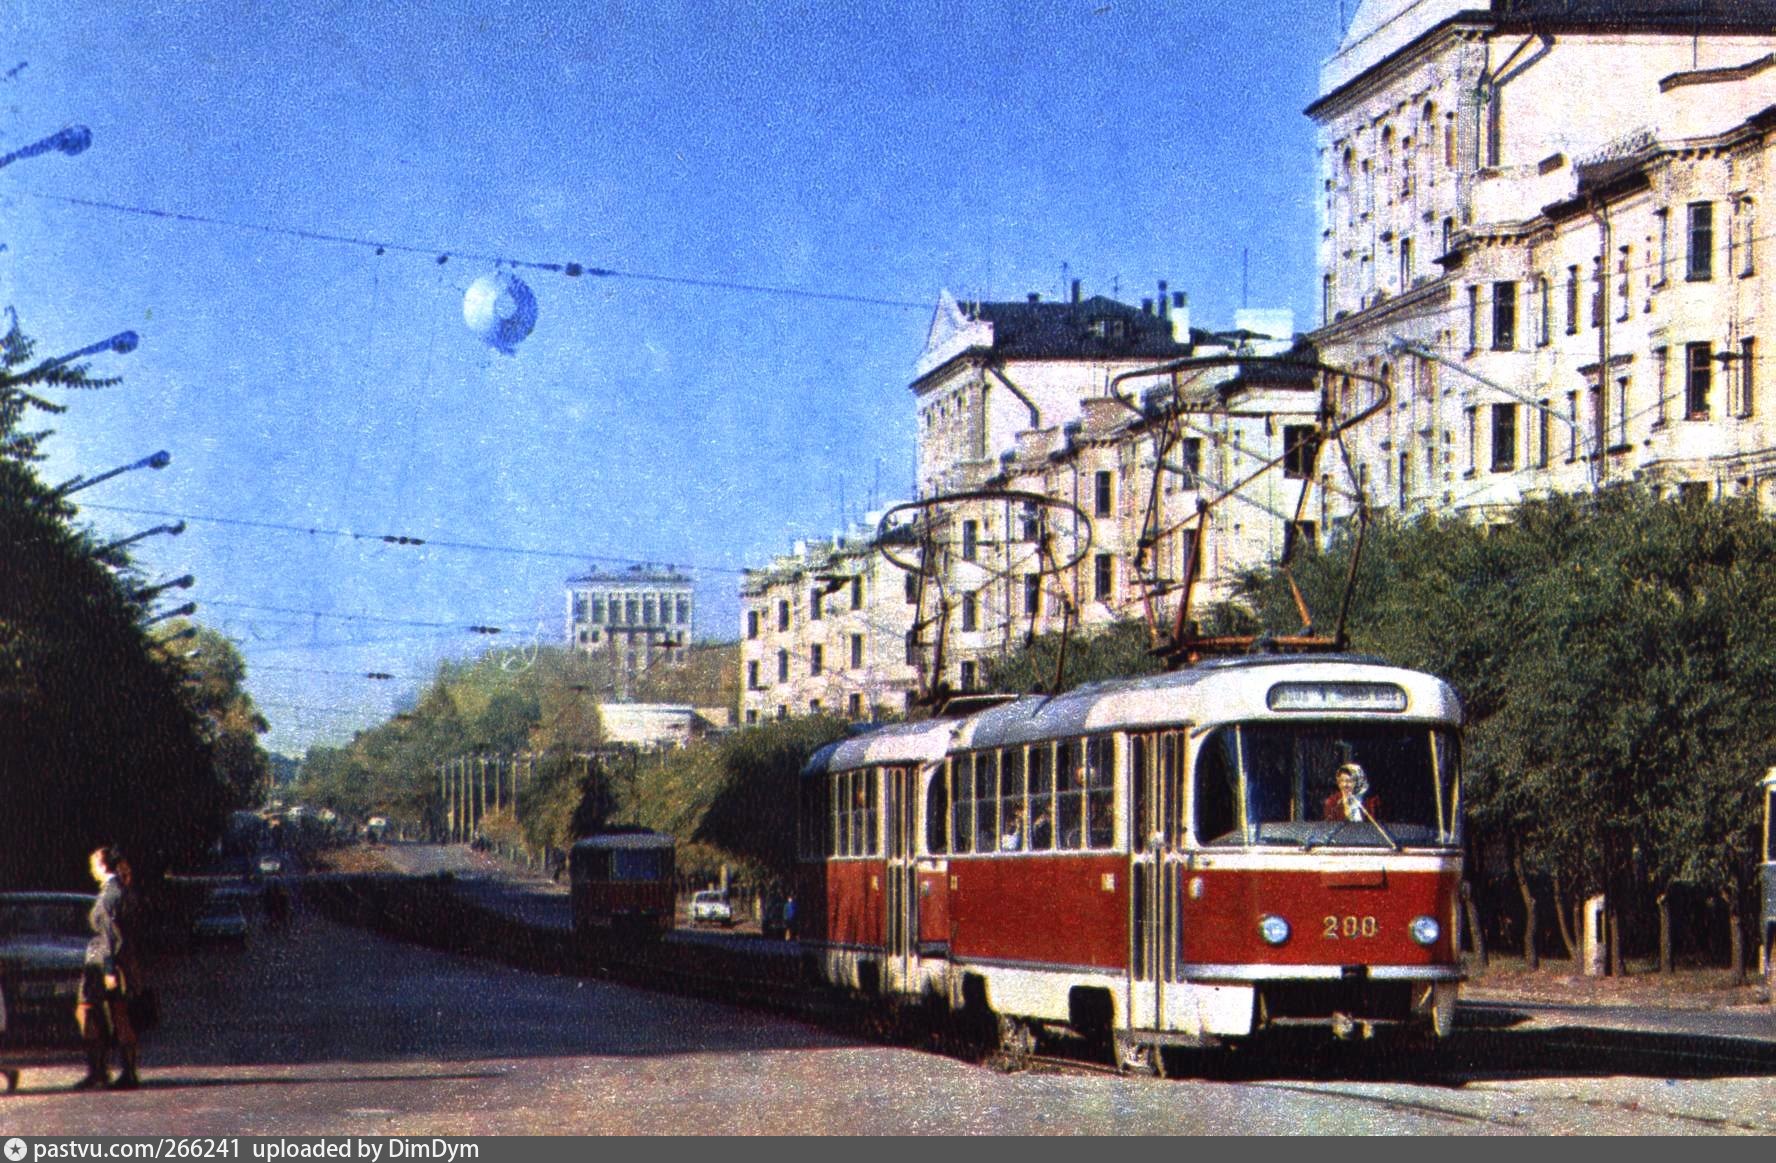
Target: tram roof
x,y
1241,685
637,839
918,742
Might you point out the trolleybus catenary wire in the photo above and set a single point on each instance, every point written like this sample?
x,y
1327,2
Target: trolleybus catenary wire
x,y
444,253
421,542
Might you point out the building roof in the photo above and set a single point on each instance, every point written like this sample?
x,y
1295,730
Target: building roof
x,y
1382,28
1094,328
634,575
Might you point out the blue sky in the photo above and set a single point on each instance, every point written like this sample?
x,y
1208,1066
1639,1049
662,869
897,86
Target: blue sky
x,y
878,151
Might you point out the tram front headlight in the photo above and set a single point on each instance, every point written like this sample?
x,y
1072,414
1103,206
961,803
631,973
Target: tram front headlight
x,y
1426,930
1273,929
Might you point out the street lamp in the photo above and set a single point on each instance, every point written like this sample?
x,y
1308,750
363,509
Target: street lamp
x,y
70,140
148,593
185,611
157,461
122,343
170,530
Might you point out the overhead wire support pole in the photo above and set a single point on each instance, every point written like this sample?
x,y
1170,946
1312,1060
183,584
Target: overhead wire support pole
x,y
1593,450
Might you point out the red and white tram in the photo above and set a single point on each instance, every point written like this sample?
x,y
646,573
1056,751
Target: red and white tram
x,y
1170,860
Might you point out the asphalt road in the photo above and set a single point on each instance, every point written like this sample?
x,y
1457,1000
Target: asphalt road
x,y
323,1029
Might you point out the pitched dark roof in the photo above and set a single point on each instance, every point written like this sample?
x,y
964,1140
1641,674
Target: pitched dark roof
x,y
1748,15
1093,328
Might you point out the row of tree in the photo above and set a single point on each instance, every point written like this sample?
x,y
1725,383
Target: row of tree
x,y
1616,655
113,729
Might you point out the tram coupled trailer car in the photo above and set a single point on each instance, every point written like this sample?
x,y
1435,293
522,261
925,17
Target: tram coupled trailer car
x,y
1179,859
621,883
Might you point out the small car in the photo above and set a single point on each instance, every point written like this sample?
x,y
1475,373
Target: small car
x,y
220,919
711,907
43,938
270,865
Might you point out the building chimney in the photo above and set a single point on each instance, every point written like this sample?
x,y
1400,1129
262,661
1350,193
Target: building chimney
x,y
1180,317
1035,297
1076,290
1165,302
1146,306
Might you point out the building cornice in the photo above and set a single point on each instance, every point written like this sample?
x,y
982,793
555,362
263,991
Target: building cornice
x,y
1360,321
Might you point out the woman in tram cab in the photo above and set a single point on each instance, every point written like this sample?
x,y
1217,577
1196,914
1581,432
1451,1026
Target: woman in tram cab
x,y
1352,801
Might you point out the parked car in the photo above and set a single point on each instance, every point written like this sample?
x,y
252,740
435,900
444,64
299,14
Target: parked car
x,y
220,919
43,937
710,907
270,864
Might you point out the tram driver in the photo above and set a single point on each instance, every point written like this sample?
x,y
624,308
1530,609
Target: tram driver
x,y
1352,801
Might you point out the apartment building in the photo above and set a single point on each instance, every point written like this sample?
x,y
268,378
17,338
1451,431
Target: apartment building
x,y
637,616
1541,229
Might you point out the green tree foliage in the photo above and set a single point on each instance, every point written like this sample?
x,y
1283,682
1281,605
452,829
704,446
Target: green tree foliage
x,y
1119,650
753,811
1614,654
98,744
215,675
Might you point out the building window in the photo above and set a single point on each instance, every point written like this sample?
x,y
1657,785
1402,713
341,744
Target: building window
x,y
813,706
1190,456
1103,574
1623,266
598,609
1405,264
647,610
1405,476
752,675
782,615
912,647
1545,312
1504,437
1662,220
816,604
629,611
1103,493
1747,376
1700,363
1572,300
1544,420
1473,318
1661,383
967,678
1504,316
1619,422
1325,299
1748,235
752,623
684,611
1572,427
1301,443
1693,492
1032,594
783,666
1470,415
856,651
857,592
1300,535
970,539
816,659
783,711
1028,520
970,613
1597,292
1700,267
1448,235
854,705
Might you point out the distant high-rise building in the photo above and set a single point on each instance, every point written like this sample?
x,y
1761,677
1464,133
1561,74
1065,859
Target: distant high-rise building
x,y
636,616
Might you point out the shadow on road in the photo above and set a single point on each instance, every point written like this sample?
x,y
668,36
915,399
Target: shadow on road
x,y
1496,1045
156,1081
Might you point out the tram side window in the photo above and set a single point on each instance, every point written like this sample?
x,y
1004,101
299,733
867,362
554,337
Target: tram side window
x,y
962,806
986,801
841,814
872,839
1100,798
1013,818
937,814
816,830
1216,789
1069,796
1041,798
1142,826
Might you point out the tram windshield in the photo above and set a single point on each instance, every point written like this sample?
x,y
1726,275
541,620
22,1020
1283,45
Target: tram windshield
x,y
1333,784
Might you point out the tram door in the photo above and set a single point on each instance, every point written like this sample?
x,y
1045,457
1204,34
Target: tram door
x,y
901,898
1155,876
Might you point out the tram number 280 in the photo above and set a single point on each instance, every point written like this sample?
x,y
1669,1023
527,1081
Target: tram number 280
x,y
1348,928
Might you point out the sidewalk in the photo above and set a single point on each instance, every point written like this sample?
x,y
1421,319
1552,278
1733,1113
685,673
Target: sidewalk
x,y
1505,980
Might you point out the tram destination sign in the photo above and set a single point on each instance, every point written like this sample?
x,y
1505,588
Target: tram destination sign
x,y
1337,696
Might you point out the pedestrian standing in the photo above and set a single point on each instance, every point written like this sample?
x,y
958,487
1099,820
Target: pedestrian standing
x,y
111,973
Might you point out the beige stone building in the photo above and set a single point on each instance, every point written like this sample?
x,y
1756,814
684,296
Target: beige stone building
x,y
635,617
824,630
1541,228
